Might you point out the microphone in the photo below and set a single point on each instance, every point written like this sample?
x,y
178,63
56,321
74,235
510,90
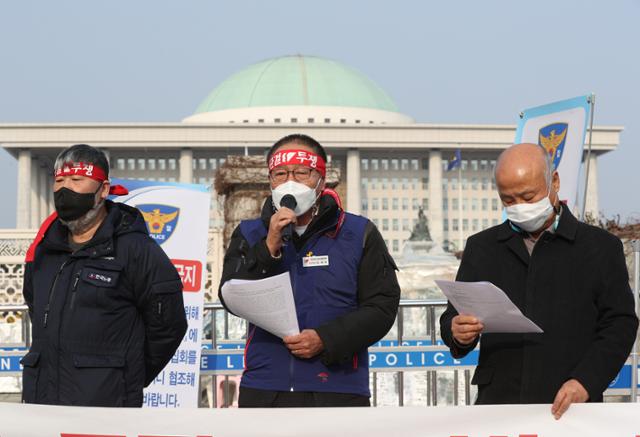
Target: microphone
x,y
288,201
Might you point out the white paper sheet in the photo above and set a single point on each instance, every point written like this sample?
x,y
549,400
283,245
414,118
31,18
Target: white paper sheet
x,y
267,303
489,304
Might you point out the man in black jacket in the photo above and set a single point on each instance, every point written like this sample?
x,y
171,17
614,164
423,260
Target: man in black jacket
x,y
104,300
568,277
344,283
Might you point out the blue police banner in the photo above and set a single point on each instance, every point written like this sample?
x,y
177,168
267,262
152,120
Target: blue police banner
x,y
177,217
559,128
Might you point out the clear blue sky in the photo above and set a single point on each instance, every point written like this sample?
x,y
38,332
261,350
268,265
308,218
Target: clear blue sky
x,y
449,62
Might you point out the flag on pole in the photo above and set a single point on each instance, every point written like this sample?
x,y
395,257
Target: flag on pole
x,y
559,128
455,162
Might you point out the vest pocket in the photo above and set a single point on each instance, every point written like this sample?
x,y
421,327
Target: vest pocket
x,y
30,374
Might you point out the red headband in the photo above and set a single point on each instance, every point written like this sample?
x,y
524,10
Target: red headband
x,y
302,157
91,171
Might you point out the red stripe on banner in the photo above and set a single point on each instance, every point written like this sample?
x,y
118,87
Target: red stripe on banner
x,y
532,435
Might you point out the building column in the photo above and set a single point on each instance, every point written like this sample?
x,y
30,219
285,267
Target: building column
x,y
592,187
34,220
186,166
23,213
435,196
43,181
354,201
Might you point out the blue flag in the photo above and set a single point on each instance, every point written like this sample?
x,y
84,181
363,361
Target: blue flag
x,y
455,162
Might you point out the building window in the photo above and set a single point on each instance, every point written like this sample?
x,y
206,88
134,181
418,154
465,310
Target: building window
x,y
445,203
343,120
425,203
394,204
276,120
394,183
384,164
363,184
445,164
494,204
395,225
485,183
310,120
294,120
374,183
474,164
383,184
405,183
327,120
374,204
141,163
202,163
454,204
464,183
454,183
494,222
415,204
120,164
484,165
385,224
474,225
454,224
162,164
445,225
474,204
485,223
425,183
485,204
415,165
465,224
405,224
405,204
385,204
364,164
151,164
425,164
131,164
395,246
374,164
394,164
365,204
464,164
172,164
474,183
404,164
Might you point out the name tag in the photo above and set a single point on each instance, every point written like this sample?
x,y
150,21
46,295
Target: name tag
x,y
315,261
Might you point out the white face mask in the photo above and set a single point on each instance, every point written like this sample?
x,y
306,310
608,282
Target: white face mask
x,y
305,197
530,216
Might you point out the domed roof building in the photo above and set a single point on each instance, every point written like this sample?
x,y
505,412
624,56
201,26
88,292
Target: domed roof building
x,y
391,166
298,89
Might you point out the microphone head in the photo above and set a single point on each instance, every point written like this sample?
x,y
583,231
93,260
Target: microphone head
x,y
289,201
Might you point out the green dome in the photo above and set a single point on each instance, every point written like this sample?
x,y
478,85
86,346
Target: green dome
x,y
297,81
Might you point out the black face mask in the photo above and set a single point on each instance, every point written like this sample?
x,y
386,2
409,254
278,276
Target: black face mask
x,y
71,205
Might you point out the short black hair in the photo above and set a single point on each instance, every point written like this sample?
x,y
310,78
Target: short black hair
x,y
301,139
83,153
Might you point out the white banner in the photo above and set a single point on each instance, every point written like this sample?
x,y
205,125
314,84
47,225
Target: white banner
x,y
583,420
560,128
177,216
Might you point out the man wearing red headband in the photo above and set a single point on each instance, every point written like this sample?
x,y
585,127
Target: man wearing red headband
x,y
104,300
344,284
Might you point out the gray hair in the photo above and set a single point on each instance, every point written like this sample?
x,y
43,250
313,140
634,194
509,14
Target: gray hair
x,y
83,153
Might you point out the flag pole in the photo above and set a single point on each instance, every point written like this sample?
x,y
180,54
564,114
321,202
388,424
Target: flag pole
x,y
592,102
460,203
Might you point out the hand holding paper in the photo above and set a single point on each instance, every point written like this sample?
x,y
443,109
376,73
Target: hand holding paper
x,y
267,303
489,304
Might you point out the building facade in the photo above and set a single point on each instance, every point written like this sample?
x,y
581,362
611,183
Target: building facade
x,y
391,166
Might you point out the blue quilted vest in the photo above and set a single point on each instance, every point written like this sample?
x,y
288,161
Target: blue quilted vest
x,y
321,294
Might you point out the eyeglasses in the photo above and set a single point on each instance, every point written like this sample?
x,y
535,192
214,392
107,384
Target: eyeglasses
x,y
300,174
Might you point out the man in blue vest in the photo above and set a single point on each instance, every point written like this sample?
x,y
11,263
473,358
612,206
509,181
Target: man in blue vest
x,y
344,285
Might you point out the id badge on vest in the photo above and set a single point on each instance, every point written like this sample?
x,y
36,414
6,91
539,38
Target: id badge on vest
x,y
315,261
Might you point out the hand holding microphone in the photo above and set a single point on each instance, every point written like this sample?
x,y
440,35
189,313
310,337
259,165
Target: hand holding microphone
x,y
281,225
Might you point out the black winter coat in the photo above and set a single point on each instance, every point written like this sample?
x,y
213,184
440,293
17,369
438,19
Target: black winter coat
x,y
575,286
106,319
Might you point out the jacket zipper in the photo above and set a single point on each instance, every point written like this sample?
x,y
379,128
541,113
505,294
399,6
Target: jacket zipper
x,y
52,291
74,288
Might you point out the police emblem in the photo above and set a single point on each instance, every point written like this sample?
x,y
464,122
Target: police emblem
x,y
553,137
161,220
